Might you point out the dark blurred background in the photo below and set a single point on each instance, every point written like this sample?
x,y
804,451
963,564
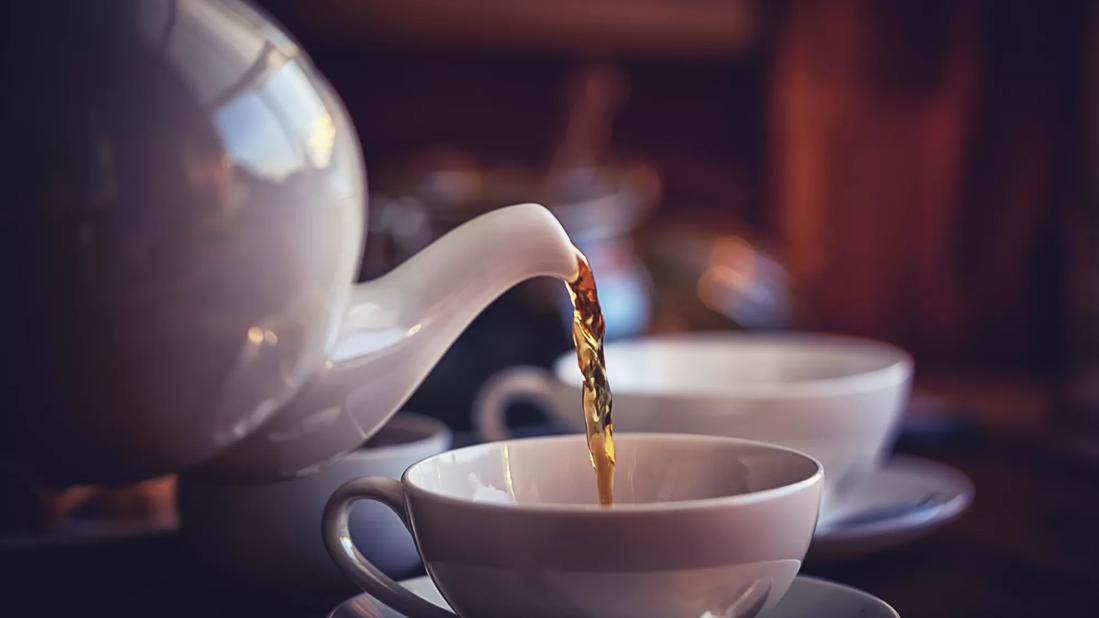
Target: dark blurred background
x,y
918,172
915,172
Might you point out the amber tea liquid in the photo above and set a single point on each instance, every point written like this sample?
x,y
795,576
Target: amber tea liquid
x,y
587,335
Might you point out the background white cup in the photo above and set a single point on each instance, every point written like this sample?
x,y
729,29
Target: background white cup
x,y
269,534
700,524
836,398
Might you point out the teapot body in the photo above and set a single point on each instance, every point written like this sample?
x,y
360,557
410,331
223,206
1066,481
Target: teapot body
x,y
185,216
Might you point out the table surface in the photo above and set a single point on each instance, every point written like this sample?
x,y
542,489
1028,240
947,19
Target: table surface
x,y
1028,546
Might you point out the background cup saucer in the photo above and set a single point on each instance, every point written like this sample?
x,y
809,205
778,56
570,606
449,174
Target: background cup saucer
x,y
904,500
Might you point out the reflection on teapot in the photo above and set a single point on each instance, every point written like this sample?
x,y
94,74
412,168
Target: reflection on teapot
x,y
188,207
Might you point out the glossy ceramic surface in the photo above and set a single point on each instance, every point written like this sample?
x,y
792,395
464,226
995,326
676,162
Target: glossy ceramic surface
x,y
268,534
393,332
189,199
905,500
700,524
807,596
199,192
838,399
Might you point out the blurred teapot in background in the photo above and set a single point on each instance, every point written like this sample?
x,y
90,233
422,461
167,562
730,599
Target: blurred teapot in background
x,y
185,217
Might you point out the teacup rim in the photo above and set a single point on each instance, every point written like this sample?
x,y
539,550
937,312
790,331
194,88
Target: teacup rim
x,y
898,371
697,504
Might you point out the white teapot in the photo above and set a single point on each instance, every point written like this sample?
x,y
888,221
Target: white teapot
x,y
188,216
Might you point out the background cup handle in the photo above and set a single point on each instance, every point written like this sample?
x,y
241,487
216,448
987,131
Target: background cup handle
x,y
337,538
532,384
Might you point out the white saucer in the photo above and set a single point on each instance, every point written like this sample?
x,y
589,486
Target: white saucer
x,y
807,597
908,498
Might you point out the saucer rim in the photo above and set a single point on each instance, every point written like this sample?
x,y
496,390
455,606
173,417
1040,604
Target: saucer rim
x,y
961,486
827,584
818,583
437,432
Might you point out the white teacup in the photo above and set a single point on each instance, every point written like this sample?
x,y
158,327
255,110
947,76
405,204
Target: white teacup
x,y
268,534
836,398
700,524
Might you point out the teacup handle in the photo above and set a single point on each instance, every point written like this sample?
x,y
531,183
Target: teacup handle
x,y
337,538
501,390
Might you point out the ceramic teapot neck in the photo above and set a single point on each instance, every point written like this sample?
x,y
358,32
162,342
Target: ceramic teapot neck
x,y
394,330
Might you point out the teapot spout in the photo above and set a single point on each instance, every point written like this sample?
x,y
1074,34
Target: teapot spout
x,y
394,330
